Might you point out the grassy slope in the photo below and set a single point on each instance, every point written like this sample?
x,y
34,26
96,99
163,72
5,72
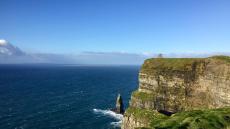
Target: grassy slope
x,y
197,119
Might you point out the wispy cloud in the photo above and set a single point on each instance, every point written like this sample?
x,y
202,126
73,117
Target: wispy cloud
x,y
12,54
194,54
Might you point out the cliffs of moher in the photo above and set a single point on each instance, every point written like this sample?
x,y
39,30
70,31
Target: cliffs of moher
x,y
181,93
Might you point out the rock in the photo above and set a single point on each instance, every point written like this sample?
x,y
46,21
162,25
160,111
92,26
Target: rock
x,y
171,85
119,105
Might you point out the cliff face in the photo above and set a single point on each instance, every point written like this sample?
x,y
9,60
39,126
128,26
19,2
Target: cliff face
x,y
179,84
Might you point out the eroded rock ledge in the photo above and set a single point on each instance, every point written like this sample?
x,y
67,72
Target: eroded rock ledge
x,y
176,85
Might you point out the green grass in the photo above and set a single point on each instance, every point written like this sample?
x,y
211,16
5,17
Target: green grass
x,y
143,96
170,65
221,57
144,113
196,119
173,63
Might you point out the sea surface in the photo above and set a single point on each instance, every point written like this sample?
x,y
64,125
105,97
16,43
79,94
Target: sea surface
x,y
63,96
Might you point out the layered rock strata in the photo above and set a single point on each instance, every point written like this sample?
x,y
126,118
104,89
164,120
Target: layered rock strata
x,y
179,84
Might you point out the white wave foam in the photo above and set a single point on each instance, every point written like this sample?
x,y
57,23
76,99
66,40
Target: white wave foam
x,y
112,114
109,113
116,124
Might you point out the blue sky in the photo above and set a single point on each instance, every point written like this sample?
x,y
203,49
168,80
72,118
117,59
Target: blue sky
x,y
131,26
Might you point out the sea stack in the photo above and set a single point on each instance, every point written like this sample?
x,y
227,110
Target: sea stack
x,y
119,105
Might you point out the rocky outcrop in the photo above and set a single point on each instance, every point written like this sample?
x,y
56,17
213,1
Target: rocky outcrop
x,y
119,105
180,84
133,122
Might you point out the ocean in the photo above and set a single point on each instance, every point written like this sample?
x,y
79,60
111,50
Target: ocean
x,y
63,96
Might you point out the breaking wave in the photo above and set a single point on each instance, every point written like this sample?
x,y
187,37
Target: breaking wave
x,y
116,124
112,114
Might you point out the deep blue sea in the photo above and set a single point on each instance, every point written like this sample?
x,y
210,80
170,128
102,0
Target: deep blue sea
x,y
63,97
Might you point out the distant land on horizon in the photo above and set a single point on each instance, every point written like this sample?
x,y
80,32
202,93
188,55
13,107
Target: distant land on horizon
x,y
10,54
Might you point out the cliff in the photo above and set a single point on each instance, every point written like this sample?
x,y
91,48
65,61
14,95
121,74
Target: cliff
x,y
183,86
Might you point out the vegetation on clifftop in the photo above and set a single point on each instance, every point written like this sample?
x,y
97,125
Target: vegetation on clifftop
x,y
170,63
223,58
172,66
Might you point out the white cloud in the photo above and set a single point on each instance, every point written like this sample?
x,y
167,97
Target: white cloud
x,y
3,42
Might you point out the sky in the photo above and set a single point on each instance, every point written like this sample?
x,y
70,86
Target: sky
x,y
123,26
